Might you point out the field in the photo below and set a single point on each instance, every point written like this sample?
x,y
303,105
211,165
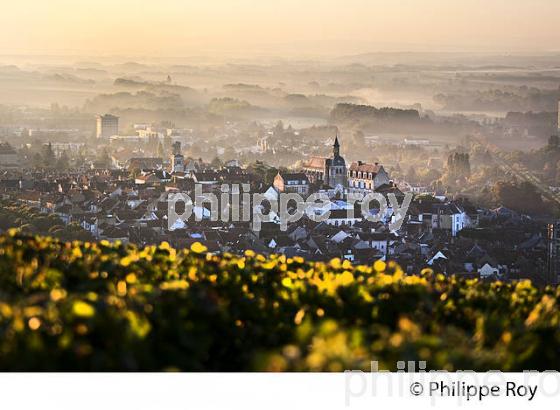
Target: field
x,y
100,307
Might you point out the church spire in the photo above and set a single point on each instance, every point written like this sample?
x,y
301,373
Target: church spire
x,y
336,146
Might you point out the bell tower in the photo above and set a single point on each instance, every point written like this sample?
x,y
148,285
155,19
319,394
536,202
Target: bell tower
x,y
177,159
337,167
336,147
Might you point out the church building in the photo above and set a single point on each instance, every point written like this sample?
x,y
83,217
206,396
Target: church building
x,y
327,171
177,159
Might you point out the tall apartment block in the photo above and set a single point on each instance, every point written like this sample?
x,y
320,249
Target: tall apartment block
x,y
553,253
107,126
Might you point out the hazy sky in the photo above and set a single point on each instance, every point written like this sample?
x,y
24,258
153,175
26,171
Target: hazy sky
x,y
275,27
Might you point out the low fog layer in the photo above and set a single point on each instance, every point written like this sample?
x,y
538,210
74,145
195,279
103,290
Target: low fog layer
x,y
302,93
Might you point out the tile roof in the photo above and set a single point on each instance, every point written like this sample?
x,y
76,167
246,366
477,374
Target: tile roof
x,y
315,162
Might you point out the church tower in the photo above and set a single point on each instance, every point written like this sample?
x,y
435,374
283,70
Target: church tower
x,y
177,159
337,167
336,147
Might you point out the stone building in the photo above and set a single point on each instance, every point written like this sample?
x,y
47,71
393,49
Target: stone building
x,y
177,159
364,178
327,171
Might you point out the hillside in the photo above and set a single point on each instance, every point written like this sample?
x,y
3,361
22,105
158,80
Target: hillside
x,y
85,306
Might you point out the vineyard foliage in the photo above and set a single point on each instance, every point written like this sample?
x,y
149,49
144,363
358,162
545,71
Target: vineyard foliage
x,y
101,306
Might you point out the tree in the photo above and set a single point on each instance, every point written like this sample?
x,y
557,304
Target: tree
x,y
37,160
278,129
160,151
79,160
522,197
63,162
49,159
411,176
104,158
265,172
153,142
216,163
167,143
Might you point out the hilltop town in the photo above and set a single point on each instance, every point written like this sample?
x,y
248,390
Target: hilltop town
x,y
117,187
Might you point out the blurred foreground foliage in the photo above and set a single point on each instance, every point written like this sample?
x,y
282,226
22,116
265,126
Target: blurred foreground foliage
x,y
88,306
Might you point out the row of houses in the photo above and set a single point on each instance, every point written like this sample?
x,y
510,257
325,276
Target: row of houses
x,y
133,206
